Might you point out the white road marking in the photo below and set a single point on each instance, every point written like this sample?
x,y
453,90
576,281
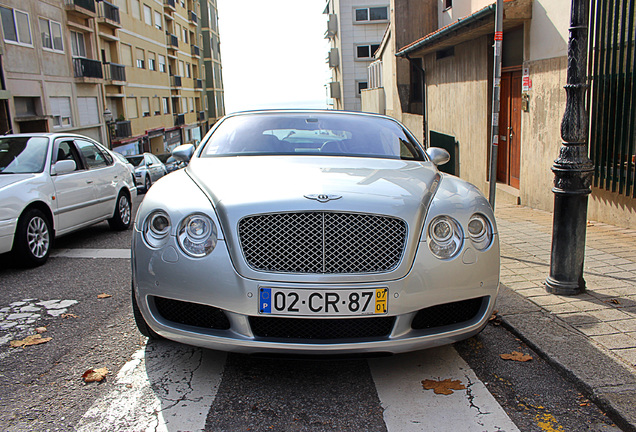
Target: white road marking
x,y
410,408
91,253
165,387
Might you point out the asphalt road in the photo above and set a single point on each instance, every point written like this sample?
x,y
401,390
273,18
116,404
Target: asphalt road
x,y
165,386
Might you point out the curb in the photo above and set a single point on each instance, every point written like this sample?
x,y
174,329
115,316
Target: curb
x,y
602,378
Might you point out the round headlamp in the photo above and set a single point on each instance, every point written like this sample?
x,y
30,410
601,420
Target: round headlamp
x,y
197,235
444,237
480,231
156,228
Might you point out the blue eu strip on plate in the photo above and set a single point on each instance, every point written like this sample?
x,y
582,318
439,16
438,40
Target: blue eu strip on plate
x,y
265,300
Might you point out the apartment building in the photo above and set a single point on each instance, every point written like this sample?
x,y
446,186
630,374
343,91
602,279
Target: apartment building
x,y
355,30
212,59
129,74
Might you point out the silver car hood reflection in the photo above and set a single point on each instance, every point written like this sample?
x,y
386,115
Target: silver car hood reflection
x,y
249,185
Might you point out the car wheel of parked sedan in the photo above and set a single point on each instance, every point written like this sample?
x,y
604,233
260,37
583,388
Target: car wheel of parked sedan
x,y
32,243
147,183
141,322
123,213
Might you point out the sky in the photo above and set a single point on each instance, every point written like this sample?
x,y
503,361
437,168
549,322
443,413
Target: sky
x,y
273,53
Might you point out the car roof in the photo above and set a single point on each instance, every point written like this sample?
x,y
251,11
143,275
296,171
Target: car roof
x,y
51,135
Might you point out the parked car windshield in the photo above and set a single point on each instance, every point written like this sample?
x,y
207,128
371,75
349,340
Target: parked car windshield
x,y
21,155
325,134
136,160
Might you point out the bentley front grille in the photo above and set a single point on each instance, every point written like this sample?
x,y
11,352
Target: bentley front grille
x,y
322,242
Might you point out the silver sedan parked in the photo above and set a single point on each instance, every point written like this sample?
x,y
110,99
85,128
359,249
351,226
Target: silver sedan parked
x,y
148,169
313,232
53,184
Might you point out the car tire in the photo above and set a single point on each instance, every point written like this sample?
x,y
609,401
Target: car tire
x,y
32,243
143,327
123,213
147,183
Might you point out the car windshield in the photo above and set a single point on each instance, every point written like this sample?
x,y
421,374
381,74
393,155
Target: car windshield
x,y
21,155
135,160
325,134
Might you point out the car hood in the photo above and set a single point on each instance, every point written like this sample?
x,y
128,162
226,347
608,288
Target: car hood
x,y
247,185
7,180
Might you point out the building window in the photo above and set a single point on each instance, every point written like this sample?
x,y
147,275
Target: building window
x,y
51,33
131,108
188,73
152,62
15,26
365,52
191,104
147,15
371,14
88,112
162,63
448,4
165,105
61,112
158,21
184,34
136,9
181,68
78,47
145,107
361,85
156,103
126,55
141,59
123,5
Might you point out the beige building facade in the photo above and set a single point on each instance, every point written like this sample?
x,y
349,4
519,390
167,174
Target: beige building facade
x,y
129,73
450,68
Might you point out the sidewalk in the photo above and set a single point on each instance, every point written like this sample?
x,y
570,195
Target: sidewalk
x,y
591,336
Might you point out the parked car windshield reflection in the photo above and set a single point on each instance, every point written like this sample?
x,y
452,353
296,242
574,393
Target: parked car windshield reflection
x,y
315,134
135,160
22,155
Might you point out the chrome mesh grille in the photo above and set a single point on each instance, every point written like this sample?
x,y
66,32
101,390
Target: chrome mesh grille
x,y
322,242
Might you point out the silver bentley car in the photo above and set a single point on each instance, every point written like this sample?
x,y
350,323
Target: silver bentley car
x,y
313,232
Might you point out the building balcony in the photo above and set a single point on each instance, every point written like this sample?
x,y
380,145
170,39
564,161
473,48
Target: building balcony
x,y
195,50
108,14
115,72
172,41
176,81
192,16
201,116
170,5
82,8
198,83
123,129
87,68
179,119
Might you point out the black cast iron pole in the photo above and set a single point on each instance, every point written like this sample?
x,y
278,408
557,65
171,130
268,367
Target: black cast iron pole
x,y
573,169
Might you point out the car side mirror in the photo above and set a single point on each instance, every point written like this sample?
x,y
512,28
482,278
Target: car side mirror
x,y
438,155
183,152
64,167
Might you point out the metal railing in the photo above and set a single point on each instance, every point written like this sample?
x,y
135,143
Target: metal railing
x,y
87,68
170,3
109,11
172,40
176,81
123,129
193,17
201,116
114,72
179,119
613,96
198,83
196,51
84,4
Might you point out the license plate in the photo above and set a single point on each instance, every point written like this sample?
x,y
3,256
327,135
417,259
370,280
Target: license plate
x,y
302,302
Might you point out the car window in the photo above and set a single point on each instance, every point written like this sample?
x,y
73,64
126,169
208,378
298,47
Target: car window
x,y
23,154
66,151
324,134
135,160
92,155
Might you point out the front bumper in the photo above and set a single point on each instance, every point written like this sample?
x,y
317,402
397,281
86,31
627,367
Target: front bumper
x,y
212,286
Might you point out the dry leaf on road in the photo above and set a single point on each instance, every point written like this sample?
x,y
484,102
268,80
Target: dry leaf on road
x,y
30,340
40,329
103,296
69,315
516,356
95,375
444,387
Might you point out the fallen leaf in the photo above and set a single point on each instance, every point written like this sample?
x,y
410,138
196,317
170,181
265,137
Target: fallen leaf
x,y
29,340
103,296
444,387
590,224
40,329
95,375
614,301
69,315
516,356
494,315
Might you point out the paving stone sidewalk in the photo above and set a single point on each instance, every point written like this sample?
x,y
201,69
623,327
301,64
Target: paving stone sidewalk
x,y
591,336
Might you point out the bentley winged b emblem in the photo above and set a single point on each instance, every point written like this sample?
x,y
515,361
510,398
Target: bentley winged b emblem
x,y
323,198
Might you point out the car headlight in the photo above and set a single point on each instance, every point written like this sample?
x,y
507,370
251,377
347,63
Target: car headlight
x,y
197,235
444,237
156,228
480,231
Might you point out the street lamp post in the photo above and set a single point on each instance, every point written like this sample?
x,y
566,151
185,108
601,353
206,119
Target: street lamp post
x,y
573,169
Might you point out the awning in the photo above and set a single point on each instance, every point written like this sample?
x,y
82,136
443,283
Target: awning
x,y
481,23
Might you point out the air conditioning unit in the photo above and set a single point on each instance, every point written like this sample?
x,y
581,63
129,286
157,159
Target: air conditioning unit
x,y
334,89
